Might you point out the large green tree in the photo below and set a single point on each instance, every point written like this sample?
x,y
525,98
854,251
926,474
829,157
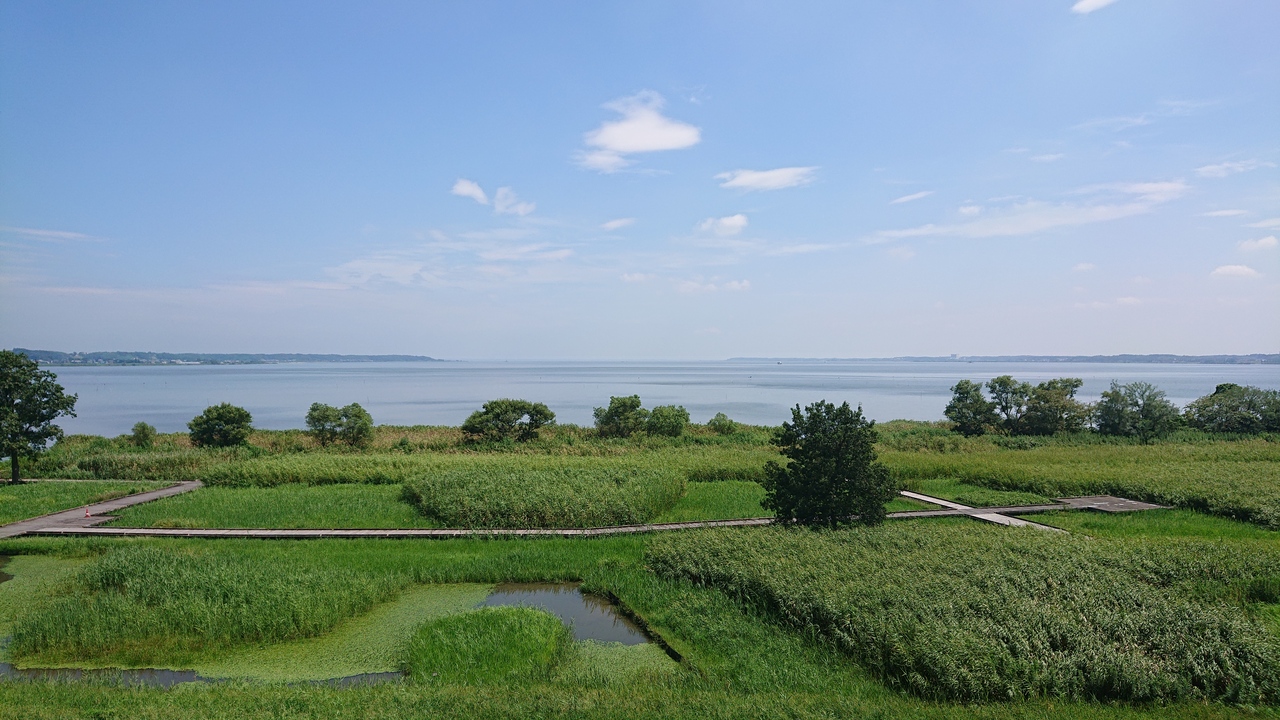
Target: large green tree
x,y
833,477
1010,398
969,411
1233,408
1138,409
222,425
506,418
623,418
30,400
1052,408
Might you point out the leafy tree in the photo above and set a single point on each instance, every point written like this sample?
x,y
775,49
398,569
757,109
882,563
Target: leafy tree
x,y
505,418
30,400
323,422
833,477
722,425
971,412
222,425
1052,407
355,426
143,436
1138,409
669,420
351,424
1010,398
623,418
1232,408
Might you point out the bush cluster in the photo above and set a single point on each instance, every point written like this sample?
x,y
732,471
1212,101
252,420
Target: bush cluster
x,y
351,425
507,419
625,417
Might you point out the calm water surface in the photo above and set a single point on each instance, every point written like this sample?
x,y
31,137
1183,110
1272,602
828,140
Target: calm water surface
x,y
590,617
112,399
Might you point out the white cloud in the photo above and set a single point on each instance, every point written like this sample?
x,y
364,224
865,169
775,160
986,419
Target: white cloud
x,y
1119,200
1115,124
1222,170
470,189
736,285
1084,7
505,202
1128,301
698,286
1084,267
525,253
1234,271
387,268
1048,158
970,210
642,128
901,253
912,196
617,224
799,249
775,179
1224,213
48,235
1265,243
637,277
1269,223
725,226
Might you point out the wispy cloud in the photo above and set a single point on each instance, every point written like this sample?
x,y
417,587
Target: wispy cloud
x,y
641,129
1224,169
1084,7
49,235
970,210
1224,213
724,226
1268,223
1265,243
470,189
1047,158
1084,267
912,196
617,224
1234,271
1114,201
524,253
505,202
637,277
714,285
1115,124
775,179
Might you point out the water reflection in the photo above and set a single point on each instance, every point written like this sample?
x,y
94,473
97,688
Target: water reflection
x,y
591,617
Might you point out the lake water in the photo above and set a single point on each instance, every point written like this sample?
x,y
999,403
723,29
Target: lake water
x,y
112,399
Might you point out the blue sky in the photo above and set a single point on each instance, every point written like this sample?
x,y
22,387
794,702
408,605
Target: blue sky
x,y
642,180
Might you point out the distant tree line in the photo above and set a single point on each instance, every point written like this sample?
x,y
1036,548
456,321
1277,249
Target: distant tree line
x,y
1136,409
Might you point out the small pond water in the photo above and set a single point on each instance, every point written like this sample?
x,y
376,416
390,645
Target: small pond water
x,y
591,617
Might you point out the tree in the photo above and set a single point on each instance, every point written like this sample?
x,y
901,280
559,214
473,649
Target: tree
x,y
623,418
1138,409
222,425
351,424
30,400
1232,408
1010,398
722,425
355,426
505,419
970,412
833,477
143,436
669,420
1052,408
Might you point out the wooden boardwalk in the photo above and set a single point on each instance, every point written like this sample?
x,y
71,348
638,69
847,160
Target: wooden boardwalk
x,y
74,522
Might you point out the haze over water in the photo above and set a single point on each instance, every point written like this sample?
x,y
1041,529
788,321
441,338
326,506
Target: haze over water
x,y
112,399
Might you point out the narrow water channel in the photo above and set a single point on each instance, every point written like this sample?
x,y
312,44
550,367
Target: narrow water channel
x,y
589,616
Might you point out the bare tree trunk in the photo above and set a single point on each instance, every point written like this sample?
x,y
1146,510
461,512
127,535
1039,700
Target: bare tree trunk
x,y
14,478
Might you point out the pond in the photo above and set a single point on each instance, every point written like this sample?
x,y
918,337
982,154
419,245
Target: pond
x,y
591,617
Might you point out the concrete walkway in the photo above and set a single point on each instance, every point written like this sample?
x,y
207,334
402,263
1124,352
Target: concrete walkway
x,y
999,516
98,512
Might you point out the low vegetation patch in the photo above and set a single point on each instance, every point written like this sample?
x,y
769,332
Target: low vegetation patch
x,y
545,492
958,611
33,499
283,506
496,645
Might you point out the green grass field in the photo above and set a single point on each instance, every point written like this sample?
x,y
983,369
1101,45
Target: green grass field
x,y
284,506
33,499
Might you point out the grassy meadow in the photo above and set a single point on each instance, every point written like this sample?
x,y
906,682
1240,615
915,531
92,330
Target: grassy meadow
x,y
33,499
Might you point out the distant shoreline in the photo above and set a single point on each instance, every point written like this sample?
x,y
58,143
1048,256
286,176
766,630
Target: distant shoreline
x,y
1254,359
100,359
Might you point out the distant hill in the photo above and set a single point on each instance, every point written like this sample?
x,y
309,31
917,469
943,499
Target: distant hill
x,y
1256,359
53,357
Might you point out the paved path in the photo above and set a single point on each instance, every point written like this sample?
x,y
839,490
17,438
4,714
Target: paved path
x,y
74,522
76,518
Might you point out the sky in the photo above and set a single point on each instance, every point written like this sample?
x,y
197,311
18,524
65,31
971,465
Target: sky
x,y
644,180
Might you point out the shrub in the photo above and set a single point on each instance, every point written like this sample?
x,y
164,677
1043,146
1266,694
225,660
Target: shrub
x,y
722,425
143,436
623,418
1052,408
322,423
1138,410
833,477
351,425
1231,408
507,419
223,425
668,420
971,413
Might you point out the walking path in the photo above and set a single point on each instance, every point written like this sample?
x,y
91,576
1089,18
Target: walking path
x,y
75,523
